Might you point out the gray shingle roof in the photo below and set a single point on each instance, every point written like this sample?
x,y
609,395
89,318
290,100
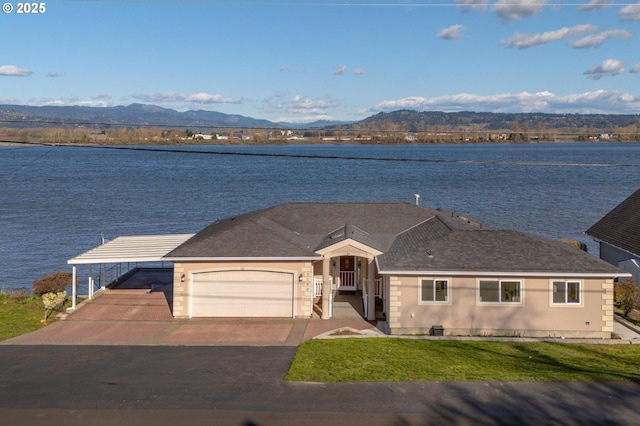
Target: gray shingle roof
x,y
491,251
621,226
300,229
412,238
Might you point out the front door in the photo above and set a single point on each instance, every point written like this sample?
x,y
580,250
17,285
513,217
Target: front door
x,y
347,273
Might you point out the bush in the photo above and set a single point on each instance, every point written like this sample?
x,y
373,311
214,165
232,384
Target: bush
x,y
52,302
53,283
577,244
19,294
625,296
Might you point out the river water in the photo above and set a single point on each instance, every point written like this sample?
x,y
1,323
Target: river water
x,y
56,201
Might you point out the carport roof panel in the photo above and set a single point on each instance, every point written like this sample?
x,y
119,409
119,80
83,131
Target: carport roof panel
x,y
137,248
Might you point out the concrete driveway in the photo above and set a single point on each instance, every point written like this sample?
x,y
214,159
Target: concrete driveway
x,y
143,317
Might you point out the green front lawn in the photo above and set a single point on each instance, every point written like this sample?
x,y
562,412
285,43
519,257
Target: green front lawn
x,y
19,315
391,359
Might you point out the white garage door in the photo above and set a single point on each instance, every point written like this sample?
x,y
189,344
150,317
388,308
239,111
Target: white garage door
x,y
242,294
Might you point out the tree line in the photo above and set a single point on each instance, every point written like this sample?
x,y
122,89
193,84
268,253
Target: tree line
x,y
382,132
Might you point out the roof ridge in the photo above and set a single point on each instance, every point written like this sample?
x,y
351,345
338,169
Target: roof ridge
x,y
423,222
279,230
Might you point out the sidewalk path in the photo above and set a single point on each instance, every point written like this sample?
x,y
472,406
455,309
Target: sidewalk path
x,y
626,330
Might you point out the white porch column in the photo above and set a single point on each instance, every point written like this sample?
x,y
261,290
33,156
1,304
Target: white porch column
x,y
74,289
326,287
371,291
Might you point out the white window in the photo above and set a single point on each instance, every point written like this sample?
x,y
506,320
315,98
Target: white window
x,y
499,291
434,290
565,292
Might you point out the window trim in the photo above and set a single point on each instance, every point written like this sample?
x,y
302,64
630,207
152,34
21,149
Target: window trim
x,y
500,302
434,302
566,304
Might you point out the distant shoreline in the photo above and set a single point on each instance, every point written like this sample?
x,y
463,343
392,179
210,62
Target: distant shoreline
x,y
286,143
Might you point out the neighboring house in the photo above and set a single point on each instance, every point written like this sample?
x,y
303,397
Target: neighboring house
x,y
415,268
203,136
618,234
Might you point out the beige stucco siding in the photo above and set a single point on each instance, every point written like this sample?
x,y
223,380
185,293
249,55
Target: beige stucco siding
x,y
302,304
535,316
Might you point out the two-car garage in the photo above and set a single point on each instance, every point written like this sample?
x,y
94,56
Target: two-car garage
x,y
242,293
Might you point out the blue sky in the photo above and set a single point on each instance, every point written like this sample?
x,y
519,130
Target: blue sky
x,y
301,61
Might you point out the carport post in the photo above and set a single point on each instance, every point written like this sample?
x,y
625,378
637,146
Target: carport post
x,y
371,291
73,287
326,288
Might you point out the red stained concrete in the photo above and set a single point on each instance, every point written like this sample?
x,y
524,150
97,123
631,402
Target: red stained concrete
x,y
143,317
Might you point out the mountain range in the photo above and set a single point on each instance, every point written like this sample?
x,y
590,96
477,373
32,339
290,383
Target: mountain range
x,y
142,115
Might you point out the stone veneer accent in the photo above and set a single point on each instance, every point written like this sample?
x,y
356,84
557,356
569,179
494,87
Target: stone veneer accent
x,y
607,306
394,304
179,292
305,289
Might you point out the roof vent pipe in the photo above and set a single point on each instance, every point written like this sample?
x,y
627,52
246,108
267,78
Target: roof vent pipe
x,y
417,199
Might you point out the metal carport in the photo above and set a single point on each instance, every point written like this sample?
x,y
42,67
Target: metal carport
x,y
126,249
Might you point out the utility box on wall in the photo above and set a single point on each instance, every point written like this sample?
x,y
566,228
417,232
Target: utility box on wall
x,y
437,330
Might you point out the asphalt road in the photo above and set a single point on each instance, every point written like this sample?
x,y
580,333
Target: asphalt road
x,y
238,385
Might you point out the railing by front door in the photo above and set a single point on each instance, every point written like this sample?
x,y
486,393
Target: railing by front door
x,y
379,288
347,281
317,285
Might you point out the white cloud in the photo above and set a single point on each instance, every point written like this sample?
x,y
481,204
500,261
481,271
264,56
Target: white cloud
x,y
630,12
358,71
199,98
102,96
13,71
56,102
597,39
285,68
54,74
206,98
608,68
451,33
524,41
303,119
300,108
303,105
340,70
69,101
159,97
635,69
481,4
4,100
93,103
511,10
595,5
601,101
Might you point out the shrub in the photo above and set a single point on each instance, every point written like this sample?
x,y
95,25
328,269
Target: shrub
x,y
577,244
19,294
52,283
52,301
625,296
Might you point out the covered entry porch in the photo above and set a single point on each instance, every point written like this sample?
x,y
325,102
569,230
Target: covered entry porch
x,y
347,273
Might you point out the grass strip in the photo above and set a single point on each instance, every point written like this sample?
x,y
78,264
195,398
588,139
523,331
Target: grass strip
x,y
19,315
391,359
